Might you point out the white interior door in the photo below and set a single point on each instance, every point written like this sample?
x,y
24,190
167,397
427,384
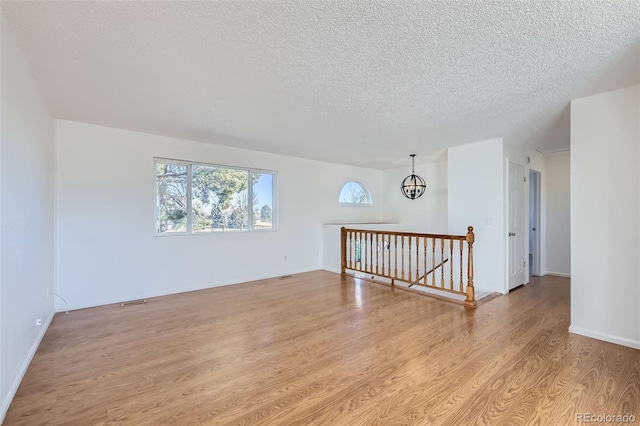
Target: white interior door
x,y
534,223
516,225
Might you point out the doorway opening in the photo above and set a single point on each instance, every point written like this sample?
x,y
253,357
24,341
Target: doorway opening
x,y
534,223
517,226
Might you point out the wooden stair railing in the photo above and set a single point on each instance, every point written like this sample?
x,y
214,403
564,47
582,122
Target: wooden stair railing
x,y
412,258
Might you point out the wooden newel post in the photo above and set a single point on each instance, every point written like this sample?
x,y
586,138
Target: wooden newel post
x,y
470,301
343,250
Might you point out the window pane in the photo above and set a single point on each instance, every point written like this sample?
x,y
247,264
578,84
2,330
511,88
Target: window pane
x,y
354,193
262,200
171,183
219,199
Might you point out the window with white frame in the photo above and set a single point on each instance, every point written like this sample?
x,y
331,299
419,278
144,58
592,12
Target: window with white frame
x,y
354,193
195,198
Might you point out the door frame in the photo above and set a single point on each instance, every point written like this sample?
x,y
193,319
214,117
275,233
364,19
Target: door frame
x,y
524,215
534,222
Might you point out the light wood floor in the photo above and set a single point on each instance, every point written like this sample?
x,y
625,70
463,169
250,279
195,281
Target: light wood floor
x,y
321,349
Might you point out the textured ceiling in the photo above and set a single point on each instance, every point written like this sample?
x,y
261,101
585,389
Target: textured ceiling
x,y
356,82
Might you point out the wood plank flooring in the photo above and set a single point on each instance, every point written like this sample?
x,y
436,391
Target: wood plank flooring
x,y
320,349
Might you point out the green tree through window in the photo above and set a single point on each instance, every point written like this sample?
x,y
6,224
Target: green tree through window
x,y
219,198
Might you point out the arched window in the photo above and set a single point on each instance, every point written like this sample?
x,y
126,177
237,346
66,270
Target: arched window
x,y
354,193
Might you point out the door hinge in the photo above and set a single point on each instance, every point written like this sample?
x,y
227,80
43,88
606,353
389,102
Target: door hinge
x,y
525,178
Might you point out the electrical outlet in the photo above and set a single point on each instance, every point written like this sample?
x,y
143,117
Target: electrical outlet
x,y
39,321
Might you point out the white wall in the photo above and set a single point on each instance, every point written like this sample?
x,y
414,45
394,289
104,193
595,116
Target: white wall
x,y
107,250
426,214
558,216
605,212
476,197
26,221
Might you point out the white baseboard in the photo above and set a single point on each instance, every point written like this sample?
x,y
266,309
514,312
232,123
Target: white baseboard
x,y
482,293
635,344
557,274
479,293
168,292
16,383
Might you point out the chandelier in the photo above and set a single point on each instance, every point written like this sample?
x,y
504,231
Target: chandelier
x,y
413,186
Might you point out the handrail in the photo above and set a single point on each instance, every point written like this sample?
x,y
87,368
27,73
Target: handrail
x,y
412,257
